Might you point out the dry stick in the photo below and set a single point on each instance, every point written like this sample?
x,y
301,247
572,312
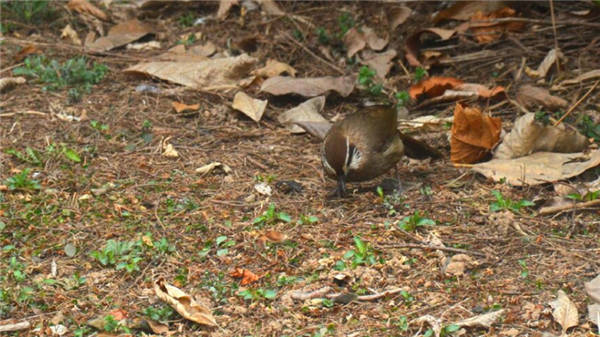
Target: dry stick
x,y
372,297
15,326
428,247
577,104
555,36
314,55
256,163
560,208
572,23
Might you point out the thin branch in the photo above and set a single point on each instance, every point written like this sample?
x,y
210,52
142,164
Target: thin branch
x,y
331,65
428,247
577,104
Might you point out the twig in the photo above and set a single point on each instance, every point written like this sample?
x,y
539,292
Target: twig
x,y
555,36
573,23
428,247
256,163
302,296
577,104
324,292
332,66
28,112
15,326
156,215
560,208
372,297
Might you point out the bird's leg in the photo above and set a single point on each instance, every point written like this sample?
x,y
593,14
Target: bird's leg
x,y
340,190
398,179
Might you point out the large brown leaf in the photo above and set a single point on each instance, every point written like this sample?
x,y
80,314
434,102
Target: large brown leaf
x,y
83,6
212,73
184,304
356,40
474,135
309,111
433,87
397,15
538,168
533,97
380,62
251,107
464,10
309,87
121,34
489,32
565,312
528,136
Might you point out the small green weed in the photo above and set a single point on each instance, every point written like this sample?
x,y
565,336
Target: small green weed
x,y
186,20
112,325
271,216
419,74
256,295
218,287
346,22
589,128
524,269
21,181
363,254
28,11
31,156
413,222
307,220
189,40
502,203
402,98
73,73
393,202
589,196
222,243
125,255
446,331
161,314
322,35
365,79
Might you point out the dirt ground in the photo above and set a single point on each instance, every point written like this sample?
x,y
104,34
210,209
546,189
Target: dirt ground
x,y
125,189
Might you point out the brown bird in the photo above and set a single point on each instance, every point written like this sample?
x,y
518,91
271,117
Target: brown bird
x,y
367,144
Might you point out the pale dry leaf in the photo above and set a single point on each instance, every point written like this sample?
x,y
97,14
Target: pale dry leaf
x,y
183,303
315,129
263,188
474,135
397,15
90,37
531,311
205,50
373,41
71,34
428,123
380,62
538,168
592,288
354,41
158,328
210,73
121,34
464,10
529,136
275,236
143,46
485,320
594,313
9,82
271,8
180,54
251,107
309,87
83,6
549,62
182,107
225,7
459,263
209,168
565,312
583,77
309,111
169,150
533,97
274,68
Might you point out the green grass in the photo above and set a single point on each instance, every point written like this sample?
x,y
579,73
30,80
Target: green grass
x,y
28,11
74,74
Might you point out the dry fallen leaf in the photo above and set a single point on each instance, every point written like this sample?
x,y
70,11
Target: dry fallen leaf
x,y
594,313
121,34
71,34
489,32
485,320
83,6
380,62
246,275
309,111
356,40
270,7
159,328
433,87
458,264
583,77
182,107
538,168
274,68
464,10
474,135
592,288
528,136
225,7
208,168
143,46
309,87
275,236
251,107
169,150
205,50
183,303
397,15
25,52
180,54
549,63
533,97
434,323
8,82
427,123
565,312
412,46
209,74
315,129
